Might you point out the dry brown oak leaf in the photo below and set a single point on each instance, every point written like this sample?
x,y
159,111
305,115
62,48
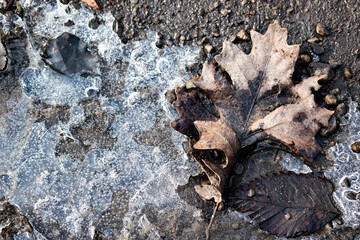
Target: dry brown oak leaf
x,y
244,106
287,205
92,3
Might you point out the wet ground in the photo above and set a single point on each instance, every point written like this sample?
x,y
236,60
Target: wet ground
x,y
87,150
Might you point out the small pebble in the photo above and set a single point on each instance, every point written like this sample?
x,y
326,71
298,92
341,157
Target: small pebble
x,y
340,109
175,36
350,195
94,23
221,206
160,52
323,69
335,91
347,73
201,12
290,10
251,192
239,168
233,38
182,38
325,132
243,35
204,40
330,99
333,63
3,57
346,183
118,27
156,21
328,226
304,58
313,40
235,226
224,12
321,29
69,139
317,49
69,23
356,147
214,6
339,221
209,48
287,216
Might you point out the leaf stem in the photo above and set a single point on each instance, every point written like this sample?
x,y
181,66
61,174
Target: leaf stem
x,y
211,221
253,138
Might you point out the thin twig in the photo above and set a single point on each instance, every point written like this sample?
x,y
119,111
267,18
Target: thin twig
x,y
211,221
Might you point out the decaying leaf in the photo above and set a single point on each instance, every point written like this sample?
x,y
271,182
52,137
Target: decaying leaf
x,y
244,104
287,205
296,124
92,3
216,135
190,109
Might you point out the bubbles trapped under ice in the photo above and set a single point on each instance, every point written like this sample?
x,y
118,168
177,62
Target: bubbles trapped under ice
x,y
72,194
347,168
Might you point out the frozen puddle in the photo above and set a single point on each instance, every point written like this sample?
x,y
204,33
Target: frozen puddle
x,y
65,197
345,173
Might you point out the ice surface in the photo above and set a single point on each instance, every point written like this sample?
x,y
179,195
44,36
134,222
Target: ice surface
x,y
73,196
55,88
294,164
347,166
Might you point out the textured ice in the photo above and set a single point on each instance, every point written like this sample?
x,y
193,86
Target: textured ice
x,y
347,166
74,195
294,164
54,88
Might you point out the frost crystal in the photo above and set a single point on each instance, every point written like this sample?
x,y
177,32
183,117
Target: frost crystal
x,y
346,169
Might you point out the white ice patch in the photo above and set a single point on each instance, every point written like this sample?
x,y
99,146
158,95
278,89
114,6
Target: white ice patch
x,y
347,166
73,194
55,88
294,164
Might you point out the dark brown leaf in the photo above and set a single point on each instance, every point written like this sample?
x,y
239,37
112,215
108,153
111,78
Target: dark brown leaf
x,y
189,107
286,204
